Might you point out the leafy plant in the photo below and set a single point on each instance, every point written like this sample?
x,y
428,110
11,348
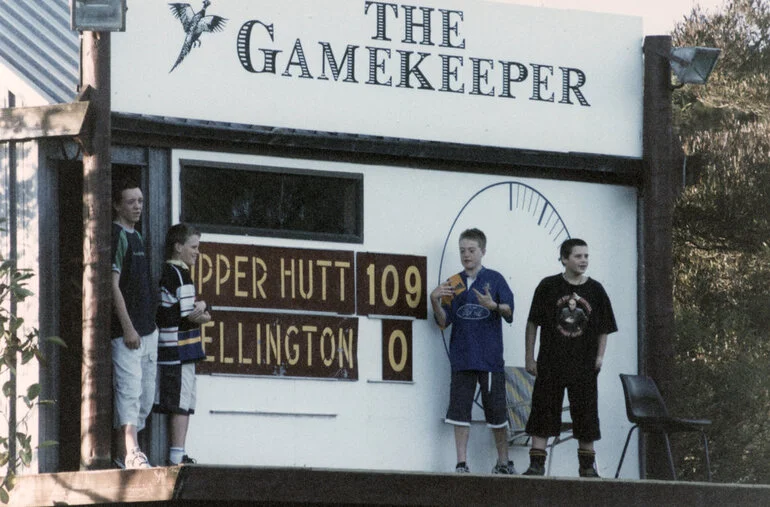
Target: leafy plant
x,y
17,349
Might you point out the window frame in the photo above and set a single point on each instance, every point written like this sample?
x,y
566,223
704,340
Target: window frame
x,y
357,179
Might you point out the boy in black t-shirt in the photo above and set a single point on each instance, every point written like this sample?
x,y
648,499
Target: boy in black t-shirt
x,y
134,334
575,316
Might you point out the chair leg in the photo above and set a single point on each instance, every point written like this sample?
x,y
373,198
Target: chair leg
x,y
670,457
706,451
625,447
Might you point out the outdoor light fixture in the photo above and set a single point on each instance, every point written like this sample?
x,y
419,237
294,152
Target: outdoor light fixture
x,y
98,15
693,65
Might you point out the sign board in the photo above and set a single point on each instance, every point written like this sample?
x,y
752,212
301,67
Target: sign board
x,y
480,73
245,276
282,345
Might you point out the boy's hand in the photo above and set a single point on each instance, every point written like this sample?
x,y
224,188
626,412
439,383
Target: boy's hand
x,y
199,308
199,315
443,290
485,299
132,340
531,367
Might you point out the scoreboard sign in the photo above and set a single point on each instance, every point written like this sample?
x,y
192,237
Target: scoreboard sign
x,y
293,311
392,285
247,276
280,344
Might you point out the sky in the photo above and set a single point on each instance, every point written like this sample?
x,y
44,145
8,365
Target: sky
x,y
659,16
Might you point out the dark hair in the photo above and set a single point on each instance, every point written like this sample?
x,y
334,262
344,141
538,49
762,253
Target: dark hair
x,y
566,247
119,186
475,235
178,233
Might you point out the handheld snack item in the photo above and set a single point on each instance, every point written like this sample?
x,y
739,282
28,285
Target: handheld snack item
x,y
457,284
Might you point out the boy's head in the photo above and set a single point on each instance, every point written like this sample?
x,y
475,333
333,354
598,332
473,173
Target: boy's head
x,y
179,245
473,244
574,257
475,235
566,248
127,202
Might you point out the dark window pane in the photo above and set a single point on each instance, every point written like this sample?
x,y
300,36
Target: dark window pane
x,y
270,201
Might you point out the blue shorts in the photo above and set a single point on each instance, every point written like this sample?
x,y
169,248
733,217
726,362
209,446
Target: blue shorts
x,y
463,390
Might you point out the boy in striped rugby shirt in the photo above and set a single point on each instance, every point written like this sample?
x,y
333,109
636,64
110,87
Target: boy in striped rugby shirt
x,y
179,318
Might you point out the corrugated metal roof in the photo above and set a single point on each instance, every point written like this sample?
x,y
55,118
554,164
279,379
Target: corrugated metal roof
x,y
36,41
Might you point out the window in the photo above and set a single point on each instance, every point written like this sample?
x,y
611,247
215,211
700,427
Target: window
x,y
272,201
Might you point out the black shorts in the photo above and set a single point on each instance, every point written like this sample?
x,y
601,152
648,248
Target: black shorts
x,y
176,390
548,399
462,391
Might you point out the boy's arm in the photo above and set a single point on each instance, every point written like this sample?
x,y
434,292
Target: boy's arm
x,y
529,353
505,311
131,338
600,352
445,289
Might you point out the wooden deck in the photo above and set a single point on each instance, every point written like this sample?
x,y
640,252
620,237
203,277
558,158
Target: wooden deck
x,y
200,484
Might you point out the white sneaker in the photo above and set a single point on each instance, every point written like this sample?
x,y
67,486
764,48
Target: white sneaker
x,y
137,459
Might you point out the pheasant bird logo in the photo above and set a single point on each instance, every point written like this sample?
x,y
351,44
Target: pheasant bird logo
x,y
194,25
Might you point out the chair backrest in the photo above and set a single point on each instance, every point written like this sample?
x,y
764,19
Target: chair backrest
x,y
518,394
643,399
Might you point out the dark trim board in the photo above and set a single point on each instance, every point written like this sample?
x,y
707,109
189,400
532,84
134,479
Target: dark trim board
x,y
180,133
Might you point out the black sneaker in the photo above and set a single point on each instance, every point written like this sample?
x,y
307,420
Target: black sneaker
x,y
186,460
535,470
504,469
462,468
590,473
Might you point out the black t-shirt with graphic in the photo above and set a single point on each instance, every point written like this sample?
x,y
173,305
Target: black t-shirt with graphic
x,y
571,317
129,259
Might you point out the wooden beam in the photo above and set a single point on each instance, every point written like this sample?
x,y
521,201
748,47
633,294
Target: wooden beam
x,y
57,120
96,379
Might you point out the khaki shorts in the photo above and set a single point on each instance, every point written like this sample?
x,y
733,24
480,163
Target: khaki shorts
x,y
133,380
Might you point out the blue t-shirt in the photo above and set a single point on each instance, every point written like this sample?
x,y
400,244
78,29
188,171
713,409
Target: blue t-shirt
x,y
477,333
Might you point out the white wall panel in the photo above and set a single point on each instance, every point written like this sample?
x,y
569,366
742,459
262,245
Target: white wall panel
x,y
399,426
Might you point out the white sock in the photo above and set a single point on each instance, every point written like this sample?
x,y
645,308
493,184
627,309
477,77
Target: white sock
x,y
175,454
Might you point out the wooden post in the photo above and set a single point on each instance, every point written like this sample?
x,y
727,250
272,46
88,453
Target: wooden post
x,y
96,402
658,193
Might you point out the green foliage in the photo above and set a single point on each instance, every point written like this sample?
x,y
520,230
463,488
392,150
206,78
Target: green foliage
x,y
721,254
17,350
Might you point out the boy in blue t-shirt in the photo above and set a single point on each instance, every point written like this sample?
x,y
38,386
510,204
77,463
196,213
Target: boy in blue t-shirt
x,y
473,303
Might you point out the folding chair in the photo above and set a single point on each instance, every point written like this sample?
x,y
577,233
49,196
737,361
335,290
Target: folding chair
x,y
518,391
647,410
